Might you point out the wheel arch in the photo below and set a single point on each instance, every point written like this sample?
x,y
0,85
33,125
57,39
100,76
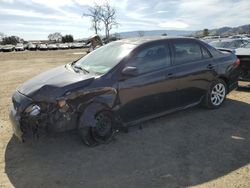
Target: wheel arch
x,y
226,80
87,118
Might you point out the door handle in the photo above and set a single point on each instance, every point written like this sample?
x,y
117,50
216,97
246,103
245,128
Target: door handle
x,y
170,75
210,66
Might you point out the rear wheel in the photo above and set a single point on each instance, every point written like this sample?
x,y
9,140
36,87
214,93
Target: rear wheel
x,y
216,94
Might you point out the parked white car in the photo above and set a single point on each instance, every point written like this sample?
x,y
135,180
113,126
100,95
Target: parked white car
x,y
19,47
43,47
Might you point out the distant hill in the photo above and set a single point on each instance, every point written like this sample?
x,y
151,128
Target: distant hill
x,y
225,31
130,34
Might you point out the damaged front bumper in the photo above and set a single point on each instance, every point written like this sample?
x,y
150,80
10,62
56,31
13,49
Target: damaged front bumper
x,y
31,119
19,104
15,121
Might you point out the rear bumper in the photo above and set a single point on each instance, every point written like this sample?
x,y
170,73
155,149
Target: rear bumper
x,y
233,86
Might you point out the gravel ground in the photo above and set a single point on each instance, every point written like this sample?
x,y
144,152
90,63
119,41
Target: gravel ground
x,y
195,147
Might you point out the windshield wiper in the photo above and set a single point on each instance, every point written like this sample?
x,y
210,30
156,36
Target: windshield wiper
x,y
80,68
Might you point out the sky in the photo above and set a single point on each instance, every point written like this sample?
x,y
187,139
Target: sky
x,y
36,19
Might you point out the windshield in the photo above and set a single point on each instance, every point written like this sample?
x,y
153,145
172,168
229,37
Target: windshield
x,y
220,44
105,58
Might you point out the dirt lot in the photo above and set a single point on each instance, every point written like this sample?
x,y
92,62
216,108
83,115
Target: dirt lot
x,y
196,147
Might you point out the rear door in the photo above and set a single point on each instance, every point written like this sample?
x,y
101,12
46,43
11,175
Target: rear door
x,y
153,90
195,69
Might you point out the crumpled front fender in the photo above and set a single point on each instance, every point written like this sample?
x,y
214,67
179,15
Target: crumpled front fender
x,y
87,119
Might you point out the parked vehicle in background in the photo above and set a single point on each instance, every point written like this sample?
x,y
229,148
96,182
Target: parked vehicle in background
x,y
78,45
229,43
63,46
244,55
121,84
19,47
245,37
52,47
73,45
32,47
69,45
25,46
210,38
93,43
8,48
42,47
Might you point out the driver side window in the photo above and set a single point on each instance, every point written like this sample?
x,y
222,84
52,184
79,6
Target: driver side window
x,y
151,58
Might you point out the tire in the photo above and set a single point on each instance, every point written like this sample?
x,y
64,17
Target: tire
x,y
86,136
101,133
216,94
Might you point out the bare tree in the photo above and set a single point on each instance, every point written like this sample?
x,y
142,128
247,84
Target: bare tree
x,y
141,33
94,14
108,17
55,37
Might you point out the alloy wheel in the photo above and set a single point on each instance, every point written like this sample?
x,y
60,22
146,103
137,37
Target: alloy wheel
x,y
218,94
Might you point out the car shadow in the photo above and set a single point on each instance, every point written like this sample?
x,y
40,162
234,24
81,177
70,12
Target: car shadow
x,y
181,149
244,88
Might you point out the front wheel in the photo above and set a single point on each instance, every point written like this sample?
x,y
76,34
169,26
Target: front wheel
x,y
216,94
101,132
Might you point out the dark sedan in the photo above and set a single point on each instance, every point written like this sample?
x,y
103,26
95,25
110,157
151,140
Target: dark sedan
x,y
121,84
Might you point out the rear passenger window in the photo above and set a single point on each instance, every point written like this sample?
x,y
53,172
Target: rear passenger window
x,y
186,52
205,54
152,58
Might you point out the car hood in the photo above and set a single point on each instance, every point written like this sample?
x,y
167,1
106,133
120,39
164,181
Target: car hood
x,y
54,83
243,51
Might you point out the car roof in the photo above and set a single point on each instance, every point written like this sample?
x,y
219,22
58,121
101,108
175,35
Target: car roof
x,y
142,40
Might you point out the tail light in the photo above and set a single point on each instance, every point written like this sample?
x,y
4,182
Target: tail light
x,y
237,62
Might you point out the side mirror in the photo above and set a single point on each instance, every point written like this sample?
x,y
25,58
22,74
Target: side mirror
x,y
130,71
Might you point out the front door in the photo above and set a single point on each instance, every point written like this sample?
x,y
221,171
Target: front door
x,y
153,89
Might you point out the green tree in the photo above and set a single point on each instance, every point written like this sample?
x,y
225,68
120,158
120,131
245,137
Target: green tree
x,y
67,38
11,40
